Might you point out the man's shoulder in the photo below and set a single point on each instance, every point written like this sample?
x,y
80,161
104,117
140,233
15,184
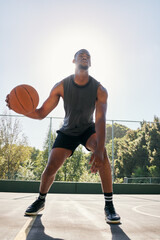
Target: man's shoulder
x,y
102,92
100,86
94,80
57,89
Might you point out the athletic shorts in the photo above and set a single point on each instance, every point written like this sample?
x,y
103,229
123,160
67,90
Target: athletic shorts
x,y
72,142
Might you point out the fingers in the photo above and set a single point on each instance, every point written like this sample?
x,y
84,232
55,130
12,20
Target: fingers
x,y
7,98
7,101
92,158
94,169
92,161
95,166
96,161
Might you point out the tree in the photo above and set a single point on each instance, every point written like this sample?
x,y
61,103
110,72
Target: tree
x,y
137,154
73,167
32,169
41,157
154,148
13,148
119,131
25,171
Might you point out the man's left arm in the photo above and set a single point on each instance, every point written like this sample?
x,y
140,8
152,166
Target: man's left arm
x,y
100,125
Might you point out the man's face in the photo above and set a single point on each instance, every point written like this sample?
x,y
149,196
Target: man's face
x,y
82,59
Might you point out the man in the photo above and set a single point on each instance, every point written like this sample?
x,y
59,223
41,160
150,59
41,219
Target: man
x,y
82,94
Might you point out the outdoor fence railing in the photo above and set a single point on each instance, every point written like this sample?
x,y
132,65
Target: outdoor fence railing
x,y
36,133
150,180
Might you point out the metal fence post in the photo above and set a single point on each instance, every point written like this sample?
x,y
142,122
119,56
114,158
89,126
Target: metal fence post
x,y
112,151
125,180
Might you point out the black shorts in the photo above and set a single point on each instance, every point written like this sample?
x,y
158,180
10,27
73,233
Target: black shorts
x,y
71,142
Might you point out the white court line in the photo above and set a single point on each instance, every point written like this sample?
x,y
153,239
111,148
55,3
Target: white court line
x,y
144,213
22,235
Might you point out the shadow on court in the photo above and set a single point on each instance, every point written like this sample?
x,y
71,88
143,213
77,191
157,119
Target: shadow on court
x,y
79,217
118,233
37,231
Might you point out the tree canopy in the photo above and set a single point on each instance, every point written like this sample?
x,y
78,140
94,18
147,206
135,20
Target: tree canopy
x,y
136,153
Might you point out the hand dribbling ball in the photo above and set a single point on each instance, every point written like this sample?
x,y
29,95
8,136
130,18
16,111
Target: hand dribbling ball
x,y
23,99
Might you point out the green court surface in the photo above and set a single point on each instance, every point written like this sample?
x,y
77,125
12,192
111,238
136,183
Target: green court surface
x,y
79,217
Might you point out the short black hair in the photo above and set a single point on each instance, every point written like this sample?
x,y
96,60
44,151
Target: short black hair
x,y
84,50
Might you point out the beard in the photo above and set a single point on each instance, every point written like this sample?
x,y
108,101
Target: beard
x,y
83,67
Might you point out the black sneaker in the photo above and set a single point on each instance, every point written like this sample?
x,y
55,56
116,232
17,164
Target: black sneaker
x,y
35,207
110,215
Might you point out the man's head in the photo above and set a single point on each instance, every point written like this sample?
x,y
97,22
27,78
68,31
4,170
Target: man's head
x,y
82,59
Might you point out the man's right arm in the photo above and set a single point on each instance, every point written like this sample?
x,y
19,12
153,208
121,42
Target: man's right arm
x,y
50,103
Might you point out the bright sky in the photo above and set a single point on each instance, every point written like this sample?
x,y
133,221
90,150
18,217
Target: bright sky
x,y
38,39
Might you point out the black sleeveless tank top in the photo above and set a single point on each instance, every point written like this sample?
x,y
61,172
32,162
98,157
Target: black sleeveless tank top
x,y
79,105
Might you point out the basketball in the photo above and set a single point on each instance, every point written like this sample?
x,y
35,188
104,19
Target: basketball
x,y
23,99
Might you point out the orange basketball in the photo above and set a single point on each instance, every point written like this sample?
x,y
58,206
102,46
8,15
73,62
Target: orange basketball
x,y
23,99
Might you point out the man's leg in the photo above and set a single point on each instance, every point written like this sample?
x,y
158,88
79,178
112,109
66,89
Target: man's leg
x,y
105,170
106,181
56,159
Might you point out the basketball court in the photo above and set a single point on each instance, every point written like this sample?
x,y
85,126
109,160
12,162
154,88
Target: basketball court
x,y
79,217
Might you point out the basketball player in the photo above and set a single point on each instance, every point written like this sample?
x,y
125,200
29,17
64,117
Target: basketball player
x,y
81,94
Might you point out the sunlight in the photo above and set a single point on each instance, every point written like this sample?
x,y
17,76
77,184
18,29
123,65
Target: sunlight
x,y
63,45
58,54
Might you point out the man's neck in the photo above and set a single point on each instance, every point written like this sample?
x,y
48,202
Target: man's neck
x,y
81,77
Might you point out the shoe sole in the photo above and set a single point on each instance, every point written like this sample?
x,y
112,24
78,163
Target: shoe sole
x,y
112,221
34,213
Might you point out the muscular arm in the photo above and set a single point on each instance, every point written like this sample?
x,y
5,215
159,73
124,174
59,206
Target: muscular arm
x,y
50,103
100,117
97,157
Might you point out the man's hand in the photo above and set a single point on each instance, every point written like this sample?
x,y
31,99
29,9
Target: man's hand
x,y
7,101
97,159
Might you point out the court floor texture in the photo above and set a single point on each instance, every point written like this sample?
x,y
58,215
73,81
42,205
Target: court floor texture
x,y
79,217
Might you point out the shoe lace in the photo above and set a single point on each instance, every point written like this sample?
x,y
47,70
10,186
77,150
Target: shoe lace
x,y
37,202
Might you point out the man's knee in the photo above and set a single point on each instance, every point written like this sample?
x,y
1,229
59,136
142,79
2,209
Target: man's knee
x,y
50,170
92,143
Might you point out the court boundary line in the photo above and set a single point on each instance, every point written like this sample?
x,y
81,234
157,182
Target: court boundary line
x,y
144,213
23,233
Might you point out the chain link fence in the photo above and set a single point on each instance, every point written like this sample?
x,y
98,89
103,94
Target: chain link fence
x,y
36,133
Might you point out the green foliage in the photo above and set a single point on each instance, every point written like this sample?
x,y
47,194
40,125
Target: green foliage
x,y
136,154
119,131
87,176
40,158
77,169
14,152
